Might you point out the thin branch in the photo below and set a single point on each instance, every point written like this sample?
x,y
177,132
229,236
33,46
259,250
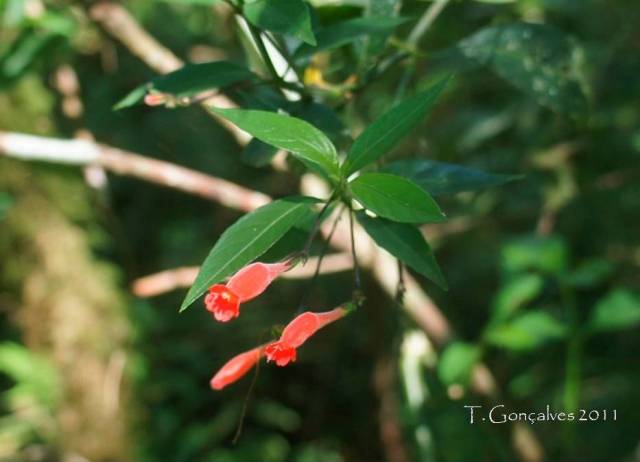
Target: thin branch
x,y
426,20
356,267
121,162
181,278
121,25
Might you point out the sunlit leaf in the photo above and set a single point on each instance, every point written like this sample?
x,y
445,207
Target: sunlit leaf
x,y
518,291
526,332
385,132
620,309
395,198
247,239
457,362
545,254
406,243
302,139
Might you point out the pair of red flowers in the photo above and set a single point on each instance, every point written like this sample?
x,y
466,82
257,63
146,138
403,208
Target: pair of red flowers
x,y
224,300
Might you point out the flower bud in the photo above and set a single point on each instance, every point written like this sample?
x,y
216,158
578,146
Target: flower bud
x,y
224,300
297,332
236,368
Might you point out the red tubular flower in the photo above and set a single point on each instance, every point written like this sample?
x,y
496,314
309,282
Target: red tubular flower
x,y
236,368
223,300
297,332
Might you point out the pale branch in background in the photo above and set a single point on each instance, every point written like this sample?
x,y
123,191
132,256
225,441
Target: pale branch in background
x,y
121,162
122,26
182,278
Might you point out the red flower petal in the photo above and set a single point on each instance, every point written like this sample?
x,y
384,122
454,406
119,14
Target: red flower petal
x,y
304,326
281,353
253,279
236,368
222,302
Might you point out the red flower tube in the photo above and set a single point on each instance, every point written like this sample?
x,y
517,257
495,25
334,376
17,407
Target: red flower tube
x,y
224,300
297,332
236,368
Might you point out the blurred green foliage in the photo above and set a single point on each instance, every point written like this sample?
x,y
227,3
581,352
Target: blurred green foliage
x,y
542,271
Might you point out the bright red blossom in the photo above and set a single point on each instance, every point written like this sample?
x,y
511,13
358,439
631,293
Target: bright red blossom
x,y
297,332
224,300
281,353
236,368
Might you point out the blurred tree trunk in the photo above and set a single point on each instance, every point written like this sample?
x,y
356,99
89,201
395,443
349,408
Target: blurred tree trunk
x,y
68,306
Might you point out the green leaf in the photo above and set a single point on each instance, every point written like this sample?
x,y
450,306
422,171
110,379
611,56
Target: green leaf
x,y
247,239
190,80
457,361
442,178
537,59
288,17
519,291
545,254
620,309
33,373
395,198
590,273
24,52
385,132
406,243
302,139
346,32
259,154
526,332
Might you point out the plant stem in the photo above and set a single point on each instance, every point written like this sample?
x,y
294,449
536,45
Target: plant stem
x,y
323,251
401,289
316,225
426,20
356,269
257,37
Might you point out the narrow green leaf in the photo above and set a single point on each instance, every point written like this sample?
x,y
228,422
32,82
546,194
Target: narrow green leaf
x,y
457,361
406,243
395,198
620,309
346,32
321,116
537,59
302,139
526,332
443,178
288,17
190,80
517,292
247,239
385,132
